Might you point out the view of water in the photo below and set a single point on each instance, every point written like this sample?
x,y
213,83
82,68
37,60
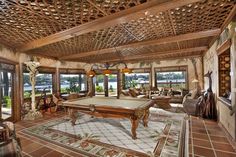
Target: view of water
x,y
40,88
173,81
113,84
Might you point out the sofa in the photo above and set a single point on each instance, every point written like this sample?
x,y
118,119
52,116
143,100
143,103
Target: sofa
x,y
134,93
176,95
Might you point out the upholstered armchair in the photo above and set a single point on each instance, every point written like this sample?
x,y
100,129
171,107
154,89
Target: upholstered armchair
x,y
190,103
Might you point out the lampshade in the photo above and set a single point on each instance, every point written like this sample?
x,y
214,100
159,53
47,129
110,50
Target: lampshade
x,y
107,72
195,81
126,70
91,73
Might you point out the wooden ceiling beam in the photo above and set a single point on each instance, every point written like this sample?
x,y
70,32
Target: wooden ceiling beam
x,y
158,54
133,13
169,58
166,40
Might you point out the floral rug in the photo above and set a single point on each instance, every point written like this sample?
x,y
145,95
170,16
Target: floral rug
x,y
98,137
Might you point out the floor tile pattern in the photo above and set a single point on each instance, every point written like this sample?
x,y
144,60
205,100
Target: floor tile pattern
x,y
205,139
163,133
209,140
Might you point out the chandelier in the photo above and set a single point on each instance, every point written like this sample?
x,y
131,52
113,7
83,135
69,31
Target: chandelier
x,y
107,71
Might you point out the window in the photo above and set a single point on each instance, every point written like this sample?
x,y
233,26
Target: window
x,y
172,77
174,80
43,83
139,78
224,71
73,83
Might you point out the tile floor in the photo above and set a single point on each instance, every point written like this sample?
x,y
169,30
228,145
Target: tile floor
x,y
206,138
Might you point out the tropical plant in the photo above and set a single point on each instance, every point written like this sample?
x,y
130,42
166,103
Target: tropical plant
x,y
75,88
111,89
27,94
130,84
99,89
7,99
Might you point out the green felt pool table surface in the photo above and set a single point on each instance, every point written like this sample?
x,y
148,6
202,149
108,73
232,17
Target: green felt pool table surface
x,y
108,102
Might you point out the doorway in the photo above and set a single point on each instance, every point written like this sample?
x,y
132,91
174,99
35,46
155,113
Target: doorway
x,y
6,94
105,85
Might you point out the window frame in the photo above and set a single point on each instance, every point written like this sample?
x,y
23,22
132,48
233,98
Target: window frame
x,y
73,71
139,70
43,70
223,48
173,69
15,98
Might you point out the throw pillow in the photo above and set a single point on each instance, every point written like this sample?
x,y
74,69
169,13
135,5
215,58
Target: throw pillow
x,y
125,92
137,92
132,93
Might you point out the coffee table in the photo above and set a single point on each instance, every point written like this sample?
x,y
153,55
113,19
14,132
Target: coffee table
x,y
162,101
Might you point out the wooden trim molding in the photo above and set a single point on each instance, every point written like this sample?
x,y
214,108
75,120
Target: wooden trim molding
x,y
223,47
41,69
5,60
71,71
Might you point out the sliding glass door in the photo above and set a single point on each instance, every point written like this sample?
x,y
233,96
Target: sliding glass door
x,y
6,94
105,85
112,85
99,85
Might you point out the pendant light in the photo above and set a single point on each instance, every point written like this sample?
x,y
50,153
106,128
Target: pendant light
x,y
91,73
126,70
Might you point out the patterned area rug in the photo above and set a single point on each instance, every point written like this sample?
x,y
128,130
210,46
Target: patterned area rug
x,y
96,137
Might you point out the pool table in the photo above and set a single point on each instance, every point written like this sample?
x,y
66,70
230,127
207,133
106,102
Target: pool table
x,y
132,109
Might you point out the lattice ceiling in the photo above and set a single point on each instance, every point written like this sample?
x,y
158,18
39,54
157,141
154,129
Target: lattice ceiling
x,y
23,21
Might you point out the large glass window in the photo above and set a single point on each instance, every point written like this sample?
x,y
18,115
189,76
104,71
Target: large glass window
x,y
43,83
171,79
137,80
73,83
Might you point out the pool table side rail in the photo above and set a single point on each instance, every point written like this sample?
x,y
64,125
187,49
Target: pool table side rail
x,y
146,104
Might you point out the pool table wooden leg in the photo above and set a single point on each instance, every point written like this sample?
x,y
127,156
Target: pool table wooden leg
x,y
145,118
73,115
134,123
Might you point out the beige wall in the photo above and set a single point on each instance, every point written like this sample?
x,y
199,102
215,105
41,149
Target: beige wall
x,y
210,61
